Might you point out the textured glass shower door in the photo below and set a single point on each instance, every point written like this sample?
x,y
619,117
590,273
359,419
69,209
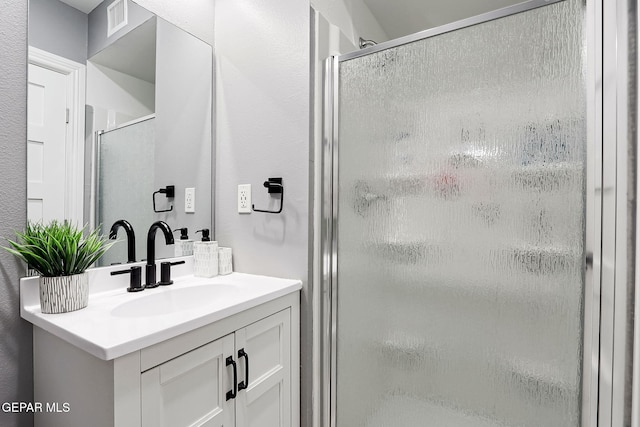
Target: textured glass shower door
x,y
460,227
125,183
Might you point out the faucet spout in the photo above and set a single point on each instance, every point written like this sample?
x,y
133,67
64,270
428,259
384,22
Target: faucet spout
x,y
131,237
150,281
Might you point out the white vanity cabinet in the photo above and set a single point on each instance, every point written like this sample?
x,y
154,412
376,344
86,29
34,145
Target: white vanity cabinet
x,y
181,381
190,389
242,379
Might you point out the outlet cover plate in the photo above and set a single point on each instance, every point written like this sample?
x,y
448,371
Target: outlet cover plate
x,y
190,200
244,198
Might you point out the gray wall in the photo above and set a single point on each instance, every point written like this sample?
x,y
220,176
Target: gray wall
x,y
58,28
16,377
262,131
97,37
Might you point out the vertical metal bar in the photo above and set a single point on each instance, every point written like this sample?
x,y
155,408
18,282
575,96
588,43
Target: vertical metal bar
x,y
316,127
635,391
608,213
335,69
593,214
327,249
96,176
619,296
619,212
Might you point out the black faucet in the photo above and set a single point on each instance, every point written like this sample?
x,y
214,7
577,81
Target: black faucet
x,y
131,237
150,268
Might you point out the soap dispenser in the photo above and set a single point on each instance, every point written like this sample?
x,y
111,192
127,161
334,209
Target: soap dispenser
x,y
184,246
205,256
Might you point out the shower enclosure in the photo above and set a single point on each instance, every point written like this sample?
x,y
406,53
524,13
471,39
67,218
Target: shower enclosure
x,y
125,182
459,225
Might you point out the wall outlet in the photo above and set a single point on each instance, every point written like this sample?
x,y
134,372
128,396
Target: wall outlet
x,y
190,200
244,198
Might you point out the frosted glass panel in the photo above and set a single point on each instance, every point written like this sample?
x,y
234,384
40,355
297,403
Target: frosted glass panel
x,y
461,227
126,176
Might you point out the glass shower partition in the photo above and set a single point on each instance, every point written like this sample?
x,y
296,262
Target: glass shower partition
x,y
125,183
459,196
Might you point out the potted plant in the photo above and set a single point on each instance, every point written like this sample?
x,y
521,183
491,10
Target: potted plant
x,y
61,253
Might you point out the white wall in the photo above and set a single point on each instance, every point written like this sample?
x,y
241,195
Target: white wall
x,y
262,131
353,17
194,16
109,89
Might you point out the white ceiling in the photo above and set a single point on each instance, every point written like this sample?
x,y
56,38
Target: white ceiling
x,y
402,17
397,17
85,6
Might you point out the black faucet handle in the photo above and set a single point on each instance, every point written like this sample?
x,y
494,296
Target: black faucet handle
x,y
135,280
165,272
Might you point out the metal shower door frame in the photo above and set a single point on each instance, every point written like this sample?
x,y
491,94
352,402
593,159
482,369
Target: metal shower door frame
x,y
600,170
96,170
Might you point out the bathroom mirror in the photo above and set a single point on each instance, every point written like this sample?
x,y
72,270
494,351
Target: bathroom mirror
x,y
145,117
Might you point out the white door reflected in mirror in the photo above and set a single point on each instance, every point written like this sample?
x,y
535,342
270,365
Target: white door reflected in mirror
x,y
47,122
55,136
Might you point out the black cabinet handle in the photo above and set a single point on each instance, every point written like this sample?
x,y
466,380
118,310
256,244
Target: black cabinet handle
x,y
244,385
234,392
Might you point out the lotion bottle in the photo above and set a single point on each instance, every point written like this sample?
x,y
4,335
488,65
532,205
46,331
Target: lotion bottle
x,y
205,256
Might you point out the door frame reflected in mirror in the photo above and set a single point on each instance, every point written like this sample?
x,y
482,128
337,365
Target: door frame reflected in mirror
x,y
75,78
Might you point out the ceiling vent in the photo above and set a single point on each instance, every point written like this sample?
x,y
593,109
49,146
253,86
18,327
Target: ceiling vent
x,y
117,13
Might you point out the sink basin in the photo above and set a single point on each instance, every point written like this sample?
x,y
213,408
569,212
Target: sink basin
x,y
173,300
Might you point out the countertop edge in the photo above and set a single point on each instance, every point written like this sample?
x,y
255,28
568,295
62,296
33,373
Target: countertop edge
x,y
110,353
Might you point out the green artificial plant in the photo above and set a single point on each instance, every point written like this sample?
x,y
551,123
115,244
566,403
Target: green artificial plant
x,y
58,248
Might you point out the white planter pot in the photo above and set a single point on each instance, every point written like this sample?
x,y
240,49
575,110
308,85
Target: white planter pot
x,y
64,293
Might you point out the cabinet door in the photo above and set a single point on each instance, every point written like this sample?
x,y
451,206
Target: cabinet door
x,y
266,402
190,390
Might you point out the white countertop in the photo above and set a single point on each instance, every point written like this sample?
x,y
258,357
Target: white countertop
x,y
112,325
